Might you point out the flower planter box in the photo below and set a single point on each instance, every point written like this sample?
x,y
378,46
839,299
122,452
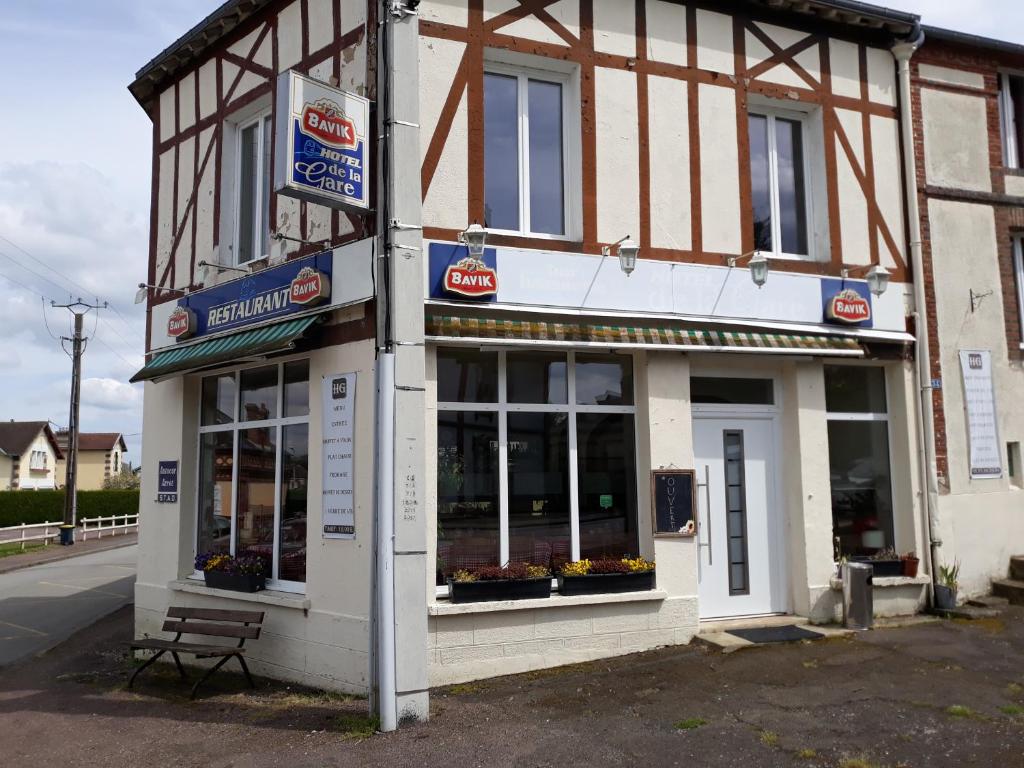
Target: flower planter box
x,y
236,582
507,589
883,568
603,583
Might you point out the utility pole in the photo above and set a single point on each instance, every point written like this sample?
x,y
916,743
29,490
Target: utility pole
x,y
78,343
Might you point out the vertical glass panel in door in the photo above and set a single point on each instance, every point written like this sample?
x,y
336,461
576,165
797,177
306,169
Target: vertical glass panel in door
x,y
294,486
258,400
537,377
606,456
760,182
547,195
792,194
248,165
501,151
538,488
736,512
257,463
216,456
858,453
854,389
467,491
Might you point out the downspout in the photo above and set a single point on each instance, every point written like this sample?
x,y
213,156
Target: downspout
x,y
903,51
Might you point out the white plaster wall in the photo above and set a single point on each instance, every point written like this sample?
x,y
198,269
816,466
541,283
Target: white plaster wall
x,y
446,200
187,101
881,76
955,130
321,23
666,32
714,42
618,155
207,89
165,219
167,102
205,200
844,62
614,28
289,36
888,167
1014,185
719,170
455,12
670,163
6,473
853,208
950,76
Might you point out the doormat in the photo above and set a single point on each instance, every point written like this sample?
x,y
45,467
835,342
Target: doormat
x,y
787,634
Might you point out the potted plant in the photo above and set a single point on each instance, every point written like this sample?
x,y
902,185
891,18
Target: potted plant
x,y
515,581
949,582
884,562
595,577
245,573
910,564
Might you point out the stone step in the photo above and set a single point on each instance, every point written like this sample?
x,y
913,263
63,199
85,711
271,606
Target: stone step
x,y
968,612
988,601
1011,589
1017,567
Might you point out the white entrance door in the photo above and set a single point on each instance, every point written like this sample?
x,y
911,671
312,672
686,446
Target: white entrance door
x,y
740,531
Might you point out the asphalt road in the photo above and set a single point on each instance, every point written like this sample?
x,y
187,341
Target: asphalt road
x,y
43,605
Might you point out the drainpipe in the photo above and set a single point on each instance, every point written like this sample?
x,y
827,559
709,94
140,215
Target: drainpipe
x,y
903,51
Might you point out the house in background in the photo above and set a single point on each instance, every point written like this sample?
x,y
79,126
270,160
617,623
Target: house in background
x,y
100,457
28,456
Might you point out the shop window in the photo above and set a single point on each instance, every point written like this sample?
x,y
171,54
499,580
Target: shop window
x,y
526,153
859,462
779,183
1011,117
254,467
545,471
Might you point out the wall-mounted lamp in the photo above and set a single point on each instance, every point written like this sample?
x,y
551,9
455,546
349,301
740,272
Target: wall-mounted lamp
x,y
144,288
627,252
474,237
206,266
758,264
325,244
877,276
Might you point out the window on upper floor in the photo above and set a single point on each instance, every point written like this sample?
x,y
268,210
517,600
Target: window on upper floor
x,y
779,183
526,151
1011,117
252,182
1018,269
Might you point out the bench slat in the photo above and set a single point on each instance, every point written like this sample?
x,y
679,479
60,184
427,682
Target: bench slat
x,y
215,614
195,649
212,630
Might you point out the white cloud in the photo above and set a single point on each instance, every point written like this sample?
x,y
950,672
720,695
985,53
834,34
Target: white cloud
x,y
110,395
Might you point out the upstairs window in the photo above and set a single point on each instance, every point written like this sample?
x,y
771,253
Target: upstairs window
x,y
253,180
1011,104
525,152
778,176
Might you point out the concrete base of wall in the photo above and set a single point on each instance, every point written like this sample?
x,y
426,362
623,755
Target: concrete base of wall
x,y
893,596
481,640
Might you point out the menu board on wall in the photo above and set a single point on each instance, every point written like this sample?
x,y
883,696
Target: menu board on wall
x,y
674,496
338,429
982,424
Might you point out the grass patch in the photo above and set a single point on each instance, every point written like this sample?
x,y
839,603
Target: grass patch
x,y
992,625
9,548
807,754
811,664
690,723
1013,710
1014,689
959,710
356,727
769,738
463,689
858,762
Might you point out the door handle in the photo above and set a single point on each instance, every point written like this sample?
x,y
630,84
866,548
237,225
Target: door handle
x,y
706,485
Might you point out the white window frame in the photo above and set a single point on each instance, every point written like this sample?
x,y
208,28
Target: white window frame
x,y
1008,120
258,224
235,426
773,113
1018,270
572,409
571,201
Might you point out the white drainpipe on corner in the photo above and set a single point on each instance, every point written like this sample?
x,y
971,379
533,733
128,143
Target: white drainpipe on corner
x,y
903,51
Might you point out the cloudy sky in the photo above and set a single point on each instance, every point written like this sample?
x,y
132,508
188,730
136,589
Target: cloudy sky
x,y
74,188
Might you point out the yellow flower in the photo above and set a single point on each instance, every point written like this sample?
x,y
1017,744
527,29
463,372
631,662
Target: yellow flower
x,y
577,568
639,564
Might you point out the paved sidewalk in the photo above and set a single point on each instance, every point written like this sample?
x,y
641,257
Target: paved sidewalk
x,y
55,552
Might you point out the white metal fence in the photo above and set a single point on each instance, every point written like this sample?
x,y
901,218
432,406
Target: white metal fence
x,y
96,527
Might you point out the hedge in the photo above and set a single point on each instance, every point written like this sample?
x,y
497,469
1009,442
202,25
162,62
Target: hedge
x,y
17,507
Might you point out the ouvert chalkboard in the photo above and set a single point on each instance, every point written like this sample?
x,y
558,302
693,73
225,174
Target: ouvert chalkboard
x,y
674,495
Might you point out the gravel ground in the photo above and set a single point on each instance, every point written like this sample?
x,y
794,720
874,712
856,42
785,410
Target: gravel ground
x,y
942,694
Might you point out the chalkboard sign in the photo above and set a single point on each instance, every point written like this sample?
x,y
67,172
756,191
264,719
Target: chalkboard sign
x,y
674,495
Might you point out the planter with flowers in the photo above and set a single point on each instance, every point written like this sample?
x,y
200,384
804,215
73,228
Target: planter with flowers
x,y
245,573
595,577
515,581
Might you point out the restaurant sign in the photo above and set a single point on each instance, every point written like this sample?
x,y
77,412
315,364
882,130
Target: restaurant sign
x,y
846,302
454,274
322,144
293,287
338,429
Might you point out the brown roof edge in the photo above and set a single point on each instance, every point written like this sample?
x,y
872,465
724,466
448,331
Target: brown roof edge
x,y
17,436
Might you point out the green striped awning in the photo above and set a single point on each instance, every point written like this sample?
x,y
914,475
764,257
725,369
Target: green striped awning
x,y
258,341
479,329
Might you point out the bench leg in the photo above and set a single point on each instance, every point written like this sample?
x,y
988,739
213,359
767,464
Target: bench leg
x,y
209,672
177,663
245,668
131,680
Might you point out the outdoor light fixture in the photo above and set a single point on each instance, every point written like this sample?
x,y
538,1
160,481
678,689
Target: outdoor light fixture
x,y
206,266
140,295
877,276
627,252
758,266
474,237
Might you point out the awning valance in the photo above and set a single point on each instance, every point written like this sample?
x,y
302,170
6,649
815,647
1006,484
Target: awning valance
x,y
474,330
265,340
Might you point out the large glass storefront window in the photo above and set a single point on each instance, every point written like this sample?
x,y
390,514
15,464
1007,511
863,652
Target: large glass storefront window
x,y
858,448
536,458
254,466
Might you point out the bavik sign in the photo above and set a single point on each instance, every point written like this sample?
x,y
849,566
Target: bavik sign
x,y
846,302
291,288
322,147
454,274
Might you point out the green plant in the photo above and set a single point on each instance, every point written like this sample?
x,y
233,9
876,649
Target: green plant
x,y
959,710
949,575
512,571
769,738
1013,710
888,553
690,723
17,507
807,754
607,566
358,727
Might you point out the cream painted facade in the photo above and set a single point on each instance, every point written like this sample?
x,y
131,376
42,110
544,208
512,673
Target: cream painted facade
x,y
6,472
37,466
94,467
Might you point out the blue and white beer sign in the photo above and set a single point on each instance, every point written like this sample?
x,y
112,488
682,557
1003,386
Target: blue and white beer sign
x,y
322,146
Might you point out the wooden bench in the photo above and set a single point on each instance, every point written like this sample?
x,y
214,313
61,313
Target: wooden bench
x,y
244,625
